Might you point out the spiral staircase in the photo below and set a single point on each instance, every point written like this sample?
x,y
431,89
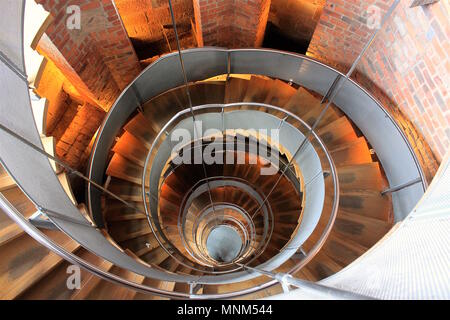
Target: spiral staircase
x,y
158,224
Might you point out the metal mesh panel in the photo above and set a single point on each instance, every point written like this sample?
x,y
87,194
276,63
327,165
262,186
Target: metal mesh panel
x,y
412,262
438,200
11,34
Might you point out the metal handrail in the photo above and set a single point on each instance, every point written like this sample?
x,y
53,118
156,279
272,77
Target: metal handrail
x,y
318,289
204,214
171,124
271,218
267,239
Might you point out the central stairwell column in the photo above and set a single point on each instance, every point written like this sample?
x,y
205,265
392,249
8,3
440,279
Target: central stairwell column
x,y
232,24
96,55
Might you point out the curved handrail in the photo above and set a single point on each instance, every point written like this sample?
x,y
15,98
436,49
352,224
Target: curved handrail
x,y
171,124
182,218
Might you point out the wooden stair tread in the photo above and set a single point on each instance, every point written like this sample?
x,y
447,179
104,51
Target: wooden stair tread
x,y
162,108
106,290
10,232
322,266
366,203
343,251
163,285
305,274
24,262
122,168
210,92
362,230
91,282
130,147
127,190
115,208
140,245
337,132
6,181
54,285
140,127
126,217
170,264
302,102
365,176
355,152
155,256
20,201
258,89
280,93
235,89
8,229
330,116
124,230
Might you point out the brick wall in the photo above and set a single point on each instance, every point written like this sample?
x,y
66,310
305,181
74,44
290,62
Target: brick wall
x,y
98,59
407,68
343,26
149,24
296,18
232,24
75,131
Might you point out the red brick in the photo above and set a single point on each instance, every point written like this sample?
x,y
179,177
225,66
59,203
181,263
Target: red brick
x,y
94,69
391,72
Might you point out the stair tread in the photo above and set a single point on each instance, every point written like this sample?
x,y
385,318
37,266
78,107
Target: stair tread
x,y
10,232
235,89
210,92
122,168
140,127
90,283
141,245
160,109
351,153
302,102
130,147
163,285
280,93
366,203
329,117
106,290
322,266
343,251
21,270
155,256
8,229
125,189
123,230
258,89
362,230
6,181
365,176
54,285
337,132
